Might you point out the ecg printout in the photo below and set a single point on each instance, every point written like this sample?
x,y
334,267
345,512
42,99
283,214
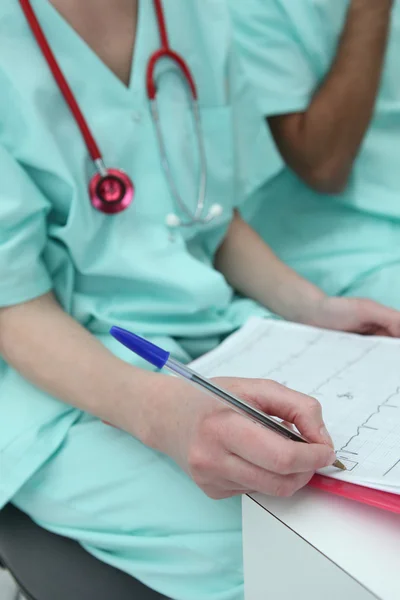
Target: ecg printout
x,y
355,378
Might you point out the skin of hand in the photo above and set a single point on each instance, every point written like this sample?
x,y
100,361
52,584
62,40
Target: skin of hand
x,y
227,454
356,315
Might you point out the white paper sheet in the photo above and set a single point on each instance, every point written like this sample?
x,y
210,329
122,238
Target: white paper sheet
x,y
355,378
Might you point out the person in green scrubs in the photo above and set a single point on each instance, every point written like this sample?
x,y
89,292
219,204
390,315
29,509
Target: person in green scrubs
x,y
141,491
326,76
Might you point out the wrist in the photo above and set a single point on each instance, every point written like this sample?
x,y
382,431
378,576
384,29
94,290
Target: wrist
x,y
145,405
307,305
127,398
136,409
324,314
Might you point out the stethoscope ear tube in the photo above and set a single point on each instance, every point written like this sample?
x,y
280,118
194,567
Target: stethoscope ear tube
x,y
192,217
165,52
197,217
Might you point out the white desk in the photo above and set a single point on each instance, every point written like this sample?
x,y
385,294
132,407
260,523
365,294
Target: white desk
x,y
316,546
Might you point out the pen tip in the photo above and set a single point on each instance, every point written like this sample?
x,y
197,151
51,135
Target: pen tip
x,y
339,465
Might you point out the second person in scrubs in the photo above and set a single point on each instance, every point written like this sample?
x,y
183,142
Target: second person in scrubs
x,y
326,76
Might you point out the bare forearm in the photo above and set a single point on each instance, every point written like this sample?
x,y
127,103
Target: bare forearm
x,y
322,143
58,355
252,269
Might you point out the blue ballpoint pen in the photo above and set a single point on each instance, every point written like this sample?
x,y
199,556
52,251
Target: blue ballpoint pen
x,y
160,359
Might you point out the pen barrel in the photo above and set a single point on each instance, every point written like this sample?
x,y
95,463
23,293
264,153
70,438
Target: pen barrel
x,y
240,406
179,369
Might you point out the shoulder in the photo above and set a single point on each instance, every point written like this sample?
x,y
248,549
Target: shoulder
x,y
18,72
12,27
11,109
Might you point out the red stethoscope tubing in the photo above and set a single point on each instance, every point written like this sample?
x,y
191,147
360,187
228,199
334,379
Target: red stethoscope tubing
x,y
164,52
62,83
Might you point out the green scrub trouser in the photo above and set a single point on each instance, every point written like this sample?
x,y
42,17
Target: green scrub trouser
x,y
135,509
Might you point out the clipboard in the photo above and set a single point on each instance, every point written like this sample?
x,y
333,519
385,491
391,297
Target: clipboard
x,y
357,493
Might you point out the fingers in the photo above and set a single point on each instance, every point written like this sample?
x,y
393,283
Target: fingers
x,y
251,478
230,454
391,322
379,318
305,412
273,452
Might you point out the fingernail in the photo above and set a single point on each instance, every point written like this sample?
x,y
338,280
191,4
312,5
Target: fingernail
x,y
324,433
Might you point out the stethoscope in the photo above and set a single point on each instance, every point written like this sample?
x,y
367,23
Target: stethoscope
x,y
111,191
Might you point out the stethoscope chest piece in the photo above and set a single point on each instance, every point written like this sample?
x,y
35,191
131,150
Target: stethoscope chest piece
x,y
111,193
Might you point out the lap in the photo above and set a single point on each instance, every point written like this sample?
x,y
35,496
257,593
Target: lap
x,y
134,508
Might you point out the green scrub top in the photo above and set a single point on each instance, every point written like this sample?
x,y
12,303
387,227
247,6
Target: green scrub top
x,y
288,48
127,269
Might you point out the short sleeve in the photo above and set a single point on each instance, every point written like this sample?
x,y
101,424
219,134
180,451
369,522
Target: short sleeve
x,y
276,63
23,209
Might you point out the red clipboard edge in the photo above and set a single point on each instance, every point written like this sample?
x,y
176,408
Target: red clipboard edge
x,y
357,493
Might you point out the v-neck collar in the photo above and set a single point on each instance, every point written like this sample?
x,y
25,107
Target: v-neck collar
x,y
72,38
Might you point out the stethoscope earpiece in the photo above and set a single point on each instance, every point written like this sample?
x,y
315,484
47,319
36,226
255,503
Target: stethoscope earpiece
x,y
173,221
216,210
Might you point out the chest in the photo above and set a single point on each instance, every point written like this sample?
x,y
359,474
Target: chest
x,y
43,136
110,32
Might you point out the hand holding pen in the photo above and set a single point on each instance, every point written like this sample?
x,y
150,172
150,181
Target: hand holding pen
x,y
225,453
